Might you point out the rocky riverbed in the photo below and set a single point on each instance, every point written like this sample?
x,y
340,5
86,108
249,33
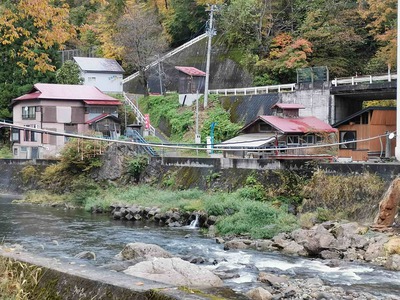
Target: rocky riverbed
x,y
333,243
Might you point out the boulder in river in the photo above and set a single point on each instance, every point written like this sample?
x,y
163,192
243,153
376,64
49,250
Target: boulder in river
x,y
86,255
142,250
175,271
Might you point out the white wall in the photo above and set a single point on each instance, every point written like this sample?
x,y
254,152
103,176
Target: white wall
x,y
107,83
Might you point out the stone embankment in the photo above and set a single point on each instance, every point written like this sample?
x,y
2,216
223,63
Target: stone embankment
x,y
171,218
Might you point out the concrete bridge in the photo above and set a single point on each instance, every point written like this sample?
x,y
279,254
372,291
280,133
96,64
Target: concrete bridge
x,y
330,101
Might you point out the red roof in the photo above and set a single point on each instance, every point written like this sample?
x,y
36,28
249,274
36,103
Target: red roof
x,y
102,102
191,71
297,125
288,106
51,91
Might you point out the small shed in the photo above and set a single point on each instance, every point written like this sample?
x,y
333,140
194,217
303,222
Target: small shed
x,y
104,73
191,84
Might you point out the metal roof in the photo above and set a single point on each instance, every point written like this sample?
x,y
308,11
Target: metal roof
x,y
288,105
297,125
191,71
251,140
51,91
103,65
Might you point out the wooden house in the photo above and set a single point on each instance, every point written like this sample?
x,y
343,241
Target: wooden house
x,y
366,124
285,130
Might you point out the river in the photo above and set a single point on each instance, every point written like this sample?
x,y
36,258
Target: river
x,y
63,233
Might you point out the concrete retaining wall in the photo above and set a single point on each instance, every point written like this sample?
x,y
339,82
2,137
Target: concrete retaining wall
x,y
83,282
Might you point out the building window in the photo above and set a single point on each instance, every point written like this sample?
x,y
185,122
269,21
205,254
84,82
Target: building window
x,y
293,140
29,135
15,135
15,151
308,139
347,136
91,79
29,112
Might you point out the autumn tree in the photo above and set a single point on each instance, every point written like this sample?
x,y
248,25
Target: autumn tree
x,y
381,18
139,34
286,55
31,33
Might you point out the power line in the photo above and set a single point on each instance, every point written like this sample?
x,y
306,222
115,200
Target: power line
x,y
187,147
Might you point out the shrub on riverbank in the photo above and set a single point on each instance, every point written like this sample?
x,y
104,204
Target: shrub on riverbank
x,y
237,213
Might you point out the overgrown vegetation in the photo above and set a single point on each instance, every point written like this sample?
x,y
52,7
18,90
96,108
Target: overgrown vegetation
x,y
17,279
224,128
166,110
334,196
5,152
137,165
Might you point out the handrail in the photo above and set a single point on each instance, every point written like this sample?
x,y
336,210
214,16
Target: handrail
x,y
138,138
363,79
169,54
139,116
289,87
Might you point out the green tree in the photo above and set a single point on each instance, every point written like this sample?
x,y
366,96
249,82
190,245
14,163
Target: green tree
x,y
69,73
336,31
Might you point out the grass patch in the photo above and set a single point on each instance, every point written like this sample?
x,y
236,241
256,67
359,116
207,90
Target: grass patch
x,y
18,280
240,216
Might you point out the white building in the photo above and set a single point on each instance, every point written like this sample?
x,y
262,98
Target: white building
x,y
104,73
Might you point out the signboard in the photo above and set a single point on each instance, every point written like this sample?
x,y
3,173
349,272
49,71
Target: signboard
x,y
147,121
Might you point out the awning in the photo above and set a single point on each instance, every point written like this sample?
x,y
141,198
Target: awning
x,y
251,141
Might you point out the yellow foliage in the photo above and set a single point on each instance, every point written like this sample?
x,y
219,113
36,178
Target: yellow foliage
x,y
52,29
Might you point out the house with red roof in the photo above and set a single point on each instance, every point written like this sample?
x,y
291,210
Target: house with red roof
x,y
285,129
63,108
191,84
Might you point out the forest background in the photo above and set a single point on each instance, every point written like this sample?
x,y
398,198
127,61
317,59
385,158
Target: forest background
x,y
269,38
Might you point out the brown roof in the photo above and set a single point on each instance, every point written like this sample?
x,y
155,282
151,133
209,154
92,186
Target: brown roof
x,y
51,91
191,71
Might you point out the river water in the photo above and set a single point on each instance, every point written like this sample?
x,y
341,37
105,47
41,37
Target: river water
x,y
63,233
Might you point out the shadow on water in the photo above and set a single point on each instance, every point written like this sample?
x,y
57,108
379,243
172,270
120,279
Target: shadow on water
x,y
62,233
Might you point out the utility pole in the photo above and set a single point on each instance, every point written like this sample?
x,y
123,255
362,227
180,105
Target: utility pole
x,y
160,74
210,32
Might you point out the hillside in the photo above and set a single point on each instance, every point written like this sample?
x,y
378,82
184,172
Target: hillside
x,y
267,39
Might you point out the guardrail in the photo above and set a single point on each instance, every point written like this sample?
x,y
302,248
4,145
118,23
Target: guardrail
x,y
138,113
169,54
290,87
364,79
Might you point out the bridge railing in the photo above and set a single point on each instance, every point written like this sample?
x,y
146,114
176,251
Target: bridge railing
x,y
364,79
290,87
169,54
139,116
